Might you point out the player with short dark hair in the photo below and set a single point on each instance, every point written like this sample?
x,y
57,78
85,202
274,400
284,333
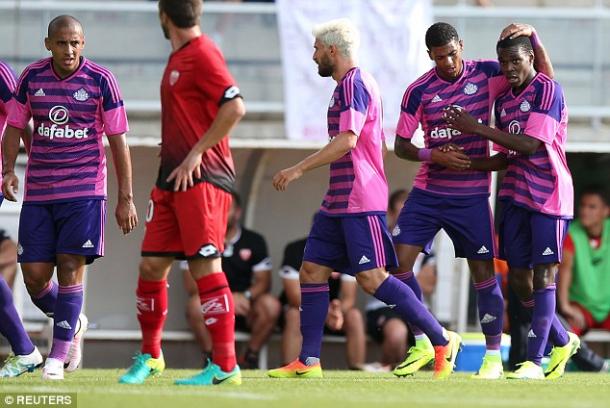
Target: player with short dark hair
x,y
24,355
447,193
349,233
536,193
188,207
73,102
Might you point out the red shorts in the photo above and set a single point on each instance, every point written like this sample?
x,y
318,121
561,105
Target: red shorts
x,y
187,225
591,323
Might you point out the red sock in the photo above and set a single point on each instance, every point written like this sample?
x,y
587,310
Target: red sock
x,y
219,317
152,311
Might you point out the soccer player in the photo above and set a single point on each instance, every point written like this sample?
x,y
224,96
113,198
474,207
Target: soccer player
x,y
73,102
446,193
189,205
349,233
536,193
24,355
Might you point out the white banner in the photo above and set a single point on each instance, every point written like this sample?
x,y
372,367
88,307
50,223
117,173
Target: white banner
x,y
392,49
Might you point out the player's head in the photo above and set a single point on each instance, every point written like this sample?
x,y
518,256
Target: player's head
x,y
66,40
594,206
445,49
516,57
335,40
395,203
235,212
179,14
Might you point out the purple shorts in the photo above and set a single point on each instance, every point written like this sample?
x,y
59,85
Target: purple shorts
x,y
467,221
75,227
529,238
350,244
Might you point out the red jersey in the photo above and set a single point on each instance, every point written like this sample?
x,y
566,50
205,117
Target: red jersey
x,y
196,82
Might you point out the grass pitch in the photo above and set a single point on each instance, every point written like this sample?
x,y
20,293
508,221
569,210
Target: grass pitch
x,y
99,388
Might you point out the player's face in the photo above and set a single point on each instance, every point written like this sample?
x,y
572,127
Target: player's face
x,y
66,45
448,59
516,65
322,57
592,210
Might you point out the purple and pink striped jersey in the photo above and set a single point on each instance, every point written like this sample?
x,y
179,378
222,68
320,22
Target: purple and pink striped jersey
x,y
423,102
67,159
541,181
8,81
357,180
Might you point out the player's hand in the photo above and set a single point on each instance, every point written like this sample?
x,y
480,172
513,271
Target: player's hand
x,y
242,304
460,120
574,316
184,174
450,147
126,215
334,319
10,186
515,30
454,160
284,177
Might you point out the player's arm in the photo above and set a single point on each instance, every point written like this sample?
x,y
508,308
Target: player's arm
x,y
461,120
542,61
261,283
338,147
451,158
125,213
10,150
229,114
494,163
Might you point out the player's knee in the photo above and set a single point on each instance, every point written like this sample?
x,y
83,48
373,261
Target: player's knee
x,y
481,270
371,280
34,284
544,275
149,271
521,283
312,273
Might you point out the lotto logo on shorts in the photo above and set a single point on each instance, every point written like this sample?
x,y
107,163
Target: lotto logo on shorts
x,y
215,306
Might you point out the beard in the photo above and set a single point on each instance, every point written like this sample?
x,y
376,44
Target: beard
x,y
165,31
325,68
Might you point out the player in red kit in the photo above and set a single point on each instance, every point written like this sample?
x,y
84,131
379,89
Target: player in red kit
x,y
187,211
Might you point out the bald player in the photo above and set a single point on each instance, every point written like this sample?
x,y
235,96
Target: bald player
x,y
73,102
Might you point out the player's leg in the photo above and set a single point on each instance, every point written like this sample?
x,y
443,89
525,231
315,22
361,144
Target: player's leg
x,y
417,224
24,355
201,213
370,240
70,274
194,316
264,313
160,246
353,327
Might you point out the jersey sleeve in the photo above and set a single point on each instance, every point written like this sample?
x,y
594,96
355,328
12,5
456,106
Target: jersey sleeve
x,y
113,107
8,83
19,112
261,261
214,79
410,112
355,102
545,117
293,257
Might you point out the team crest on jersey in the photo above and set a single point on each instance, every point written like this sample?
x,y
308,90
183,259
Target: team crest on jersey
x,y
81,95
470,88
514,127
173,77
525,106
245,254
332,102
